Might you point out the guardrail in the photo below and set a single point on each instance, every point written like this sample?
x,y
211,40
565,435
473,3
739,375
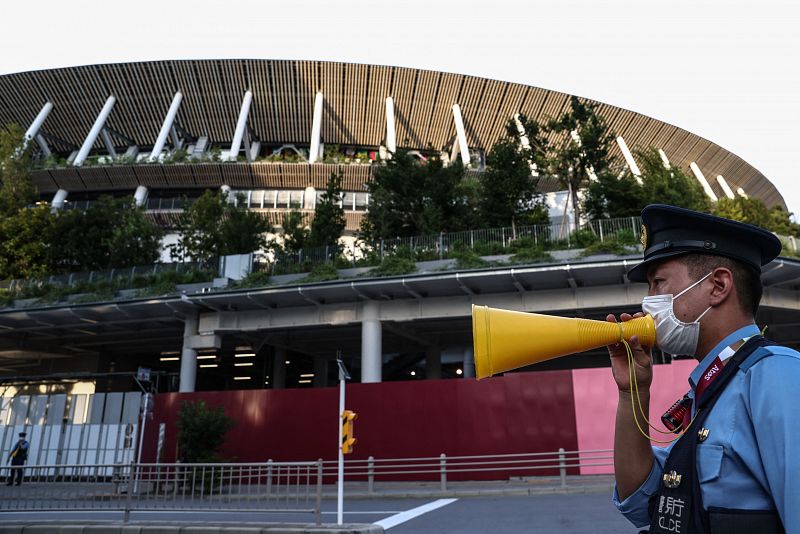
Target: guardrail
x,y
285,487
443,466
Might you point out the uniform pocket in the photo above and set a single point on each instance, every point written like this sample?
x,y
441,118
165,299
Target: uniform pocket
x,y
709,462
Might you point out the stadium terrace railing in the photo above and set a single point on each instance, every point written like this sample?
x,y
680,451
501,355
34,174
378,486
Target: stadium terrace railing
x,y
280,487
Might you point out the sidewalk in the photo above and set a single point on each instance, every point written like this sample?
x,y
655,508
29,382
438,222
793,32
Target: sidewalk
x,y
515,486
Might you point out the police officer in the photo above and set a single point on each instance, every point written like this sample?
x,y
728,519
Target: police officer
x,y
17,458
736,466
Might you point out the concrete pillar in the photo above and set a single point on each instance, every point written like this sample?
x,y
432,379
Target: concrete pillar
x,y
725,187
391,134
169,120
703,182
58,200
433,363
626,153
320,372
99,123
140,196
469,362
371,343
241,125
316,128
461,135
188,356
279,368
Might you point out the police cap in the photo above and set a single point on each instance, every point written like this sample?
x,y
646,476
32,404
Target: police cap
x,y
22,434
668,231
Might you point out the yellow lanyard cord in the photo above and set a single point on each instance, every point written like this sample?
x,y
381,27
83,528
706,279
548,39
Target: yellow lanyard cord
x,y
635,393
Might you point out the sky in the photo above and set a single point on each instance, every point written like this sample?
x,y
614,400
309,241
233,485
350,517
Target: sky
x,y
728,71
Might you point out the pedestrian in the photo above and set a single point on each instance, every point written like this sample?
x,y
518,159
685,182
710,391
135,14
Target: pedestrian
x,y
17,458
735,465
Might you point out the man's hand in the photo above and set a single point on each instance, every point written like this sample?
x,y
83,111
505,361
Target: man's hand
x,y
619,360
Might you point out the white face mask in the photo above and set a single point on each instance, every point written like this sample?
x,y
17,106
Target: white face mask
x,y
673,336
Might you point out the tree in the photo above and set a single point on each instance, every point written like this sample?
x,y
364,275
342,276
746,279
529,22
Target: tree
x,y
610,196
201,431
24,239
410,197
295,232
24,233
199,228
16,190
213,226
507,189
670,186
134,240
111,233
624,196
754,211
242,231
329,221
577,155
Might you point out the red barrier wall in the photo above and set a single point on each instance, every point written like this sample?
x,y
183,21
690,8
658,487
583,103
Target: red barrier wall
x,y
517,413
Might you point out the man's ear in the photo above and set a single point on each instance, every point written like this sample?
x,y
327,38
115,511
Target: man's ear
x,y
722,280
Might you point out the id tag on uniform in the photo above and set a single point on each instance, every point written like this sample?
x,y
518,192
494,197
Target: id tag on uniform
x,y
672,515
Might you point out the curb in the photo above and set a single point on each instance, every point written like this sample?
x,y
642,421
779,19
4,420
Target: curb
x,y
60,528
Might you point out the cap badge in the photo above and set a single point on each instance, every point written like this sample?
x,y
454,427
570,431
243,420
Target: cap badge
x,y
643,239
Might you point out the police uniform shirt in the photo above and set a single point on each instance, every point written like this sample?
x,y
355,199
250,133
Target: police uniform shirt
x,y
750,459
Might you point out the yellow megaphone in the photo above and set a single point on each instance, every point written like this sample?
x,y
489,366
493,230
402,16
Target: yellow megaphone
x,y
505,340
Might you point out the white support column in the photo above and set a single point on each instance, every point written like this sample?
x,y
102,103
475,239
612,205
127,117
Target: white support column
x,y
469,362
241,124
99,122
461,135
626,153
703,182
43,145
36,125
391,133
104,135
725,187
742,193
664,159
525,142
371,343
188,356
140,196
316,129
166,127
58,200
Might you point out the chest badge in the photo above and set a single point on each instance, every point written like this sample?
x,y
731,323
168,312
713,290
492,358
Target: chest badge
x,y
702,434
672,479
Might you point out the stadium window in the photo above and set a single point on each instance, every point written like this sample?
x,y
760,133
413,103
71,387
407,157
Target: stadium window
x,y
270,198
283,199
296,199
256,199
349,201
361,202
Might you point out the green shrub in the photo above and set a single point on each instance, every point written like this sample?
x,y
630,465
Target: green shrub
x,y
322,272
467,259
531,255
254,279
582,238
490,248
627,237
521,243
393,266
611,245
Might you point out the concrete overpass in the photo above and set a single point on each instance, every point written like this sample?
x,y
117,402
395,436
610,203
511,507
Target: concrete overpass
x,y
385,328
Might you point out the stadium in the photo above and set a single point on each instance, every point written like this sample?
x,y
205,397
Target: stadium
x,y
274,132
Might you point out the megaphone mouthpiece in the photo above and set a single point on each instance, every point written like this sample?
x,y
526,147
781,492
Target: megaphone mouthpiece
x,y
504,340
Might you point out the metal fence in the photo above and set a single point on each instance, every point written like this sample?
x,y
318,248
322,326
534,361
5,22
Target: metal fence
x,y
285,487
486,467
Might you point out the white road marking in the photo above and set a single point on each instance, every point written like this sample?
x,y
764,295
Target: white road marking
x,y
402,517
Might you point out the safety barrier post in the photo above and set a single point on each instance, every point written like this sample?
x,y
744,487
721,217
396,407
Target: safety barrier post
x,y
443,471
562,467
318,511
269,476
129,499
371,474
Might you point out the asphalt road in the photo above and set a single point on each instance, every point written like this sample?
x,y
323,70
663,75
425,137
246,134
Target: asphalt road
x,y
563,514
